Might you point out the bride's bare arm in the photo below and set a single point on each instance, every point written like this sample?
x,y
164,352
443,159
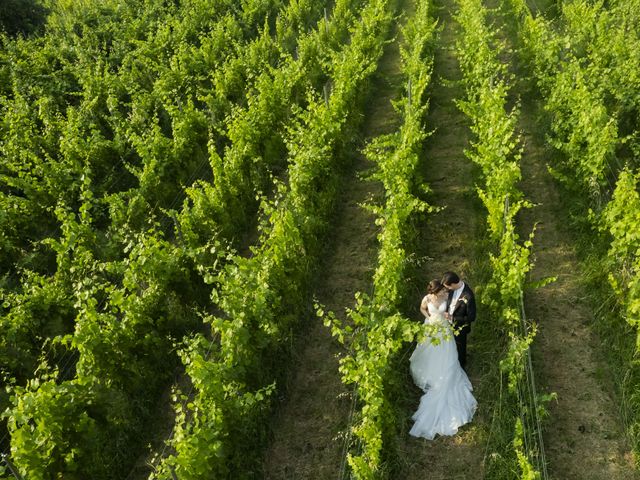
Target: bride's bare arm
x,y
423,306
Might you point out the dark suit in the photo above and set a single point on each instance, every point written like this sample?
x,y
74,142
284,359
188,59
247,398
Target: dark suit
x,y
463,315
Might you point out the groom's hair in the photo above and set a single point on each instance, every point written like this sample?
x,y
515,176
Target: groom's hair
x,y
449,278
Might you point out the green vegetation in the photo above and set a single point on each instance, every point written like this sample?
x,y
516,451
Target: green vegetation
x,y
377,330
169,172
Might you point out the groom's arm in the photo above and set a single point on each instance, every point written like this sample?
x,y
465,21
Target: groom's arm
x,y
471,308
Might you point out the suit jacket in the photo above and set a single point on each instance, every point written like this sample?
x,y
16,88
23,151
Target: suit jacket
x,y
465,309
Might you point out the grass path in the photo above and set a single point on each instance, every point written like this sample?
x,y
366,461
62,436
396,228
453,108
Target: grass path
x,y
312,420
449,242
584,436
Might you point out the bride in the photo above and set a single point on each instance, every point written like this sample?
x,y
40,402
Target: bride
x,y
448,402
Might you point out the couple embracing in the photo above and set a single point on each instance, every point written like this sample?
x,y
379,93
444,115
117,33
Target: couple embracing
x,y
437,364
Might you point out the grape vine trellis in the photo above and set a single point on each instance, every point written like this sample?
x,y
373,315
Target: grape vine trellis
x,y
586,67
149,257
119,111
261,296
497,151
377,330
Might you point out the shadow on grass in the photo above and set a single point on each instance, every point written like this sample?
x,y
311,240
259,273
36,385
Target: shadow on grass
x,y
22,17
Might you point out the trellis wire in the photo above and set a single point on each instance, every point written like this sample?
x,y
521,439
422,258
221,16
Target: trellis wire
x,y
12,469
347,438
542,460
528,406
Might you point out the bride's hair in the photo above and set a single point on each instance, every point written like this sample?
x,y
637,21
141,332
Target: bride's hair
x,y
434,287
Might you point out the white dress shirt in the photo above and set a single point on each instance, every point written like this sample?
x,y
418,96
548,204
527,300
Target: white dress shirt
x,y
456,295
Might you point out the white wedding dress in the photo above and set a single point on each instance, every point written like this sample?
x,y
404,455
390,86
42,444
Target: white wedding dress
x,y
448,402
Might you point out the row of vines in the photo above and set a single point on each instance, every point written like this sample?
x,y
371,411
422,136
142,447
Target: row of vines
x,y
110,120
376,330
497,151
262,298
586,66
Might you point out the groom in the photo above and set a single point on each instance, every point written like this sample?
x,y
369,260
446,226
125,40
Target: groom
x,y
461,311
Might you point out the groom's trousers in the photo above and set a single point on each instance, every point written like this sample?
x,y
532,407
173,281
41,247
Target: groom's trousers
x,y
461,344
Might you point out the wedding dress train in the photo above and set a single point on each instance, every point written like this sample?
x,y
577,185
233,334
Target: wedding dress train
x,y
448,402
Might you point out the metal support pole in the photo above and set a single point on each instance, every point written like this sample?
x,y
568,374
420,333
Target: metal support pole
x,y
506,212
11,467
173,473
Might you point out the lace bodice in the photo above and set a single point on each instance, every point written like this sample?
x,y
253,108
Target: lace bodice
x,y
436,312
436,309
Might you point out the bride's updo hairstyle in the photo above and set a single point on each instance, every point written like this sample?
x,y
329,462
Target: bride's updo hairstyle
x,y
434,287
